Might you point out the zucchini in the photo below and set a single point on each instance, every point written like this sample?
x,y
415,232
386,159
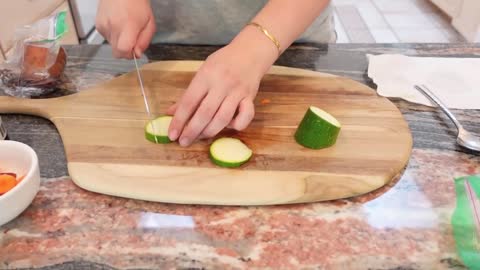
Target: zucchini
x,y
157,130
318,129
229,152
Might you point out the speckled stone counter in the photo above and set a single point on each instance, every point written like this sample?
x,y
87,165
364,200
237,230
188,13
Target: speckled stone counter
x,y
405,225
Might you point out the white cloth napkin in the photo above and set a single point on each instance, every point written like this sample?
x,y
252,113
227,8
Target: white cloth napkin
x,y
455,81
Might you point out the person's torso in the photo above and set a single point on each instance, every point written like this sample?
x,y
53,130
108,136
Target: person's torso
x,y
216,22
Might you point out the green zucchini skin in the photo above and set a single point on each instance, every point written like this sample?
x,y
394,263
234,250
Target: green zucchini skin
x,y
160,139
225,164
316,133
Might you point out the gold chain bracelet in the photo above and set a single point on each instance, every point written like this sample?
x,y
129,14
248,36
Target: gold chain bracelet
x,y
270,36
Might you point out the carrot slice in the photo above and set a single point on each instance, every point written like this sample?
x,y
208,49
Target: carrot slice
x,y
12,174
265,101
7,182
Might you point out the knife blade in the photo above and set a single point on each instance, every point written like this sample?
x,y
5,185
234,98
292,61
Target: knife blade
x,y
145,99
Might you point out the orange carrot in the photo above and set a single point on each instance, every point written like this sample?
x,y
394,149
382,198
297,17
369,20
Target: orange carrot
x,y
7,182
265,101
11,174
19,179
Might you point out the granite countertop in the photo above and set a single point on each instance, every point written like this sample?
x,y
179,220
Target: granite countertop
x,y
405,225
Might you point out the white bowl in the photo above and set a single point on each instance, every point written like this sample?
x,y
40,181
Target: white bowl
x,y
18,158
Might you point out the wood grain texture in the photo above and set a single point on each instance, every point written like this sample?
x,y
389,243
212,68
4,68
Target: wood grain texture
x,y
102,130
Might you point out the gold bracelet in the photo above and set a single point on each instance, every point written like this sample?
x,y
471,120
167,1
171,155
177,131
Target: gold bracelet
x,y
270,36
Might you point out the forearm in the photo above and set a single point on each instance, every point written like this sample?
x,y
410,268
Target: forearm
x,y
223,90
286,20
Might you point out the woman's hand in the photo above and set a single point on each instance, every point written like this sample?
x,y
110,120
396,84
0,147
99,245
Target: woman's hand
x,y
127,25
222,92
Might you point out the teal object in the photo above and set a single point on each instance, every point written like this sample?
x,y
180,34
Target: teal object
x,y
466,220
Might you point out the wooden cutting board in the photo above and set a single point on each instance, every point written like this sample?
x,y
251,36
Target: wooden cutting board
x,y
103,132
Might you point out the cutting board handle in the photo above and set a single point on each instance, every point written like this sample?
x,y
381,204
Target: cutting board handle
x,y
23,106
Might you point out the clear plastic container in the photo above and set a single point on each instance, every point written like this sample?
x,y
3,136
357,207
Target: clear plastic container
x,y
37,62
3,131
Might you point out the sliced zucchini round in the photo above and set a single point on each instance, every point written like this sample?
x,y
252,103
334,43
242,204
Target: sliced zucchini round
x,y
229,152
318,129
157,130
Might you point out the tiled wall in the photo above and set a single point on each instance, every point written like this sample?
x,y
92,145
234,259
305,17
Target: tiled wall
x,y
391,21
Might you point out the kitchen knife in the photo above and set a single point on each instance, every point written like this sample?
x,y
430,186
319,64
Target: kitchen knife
x,y
145,99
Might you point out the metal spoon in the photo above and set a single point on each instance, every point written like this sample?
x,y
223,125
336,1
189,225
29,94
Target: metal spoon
x,y
464,138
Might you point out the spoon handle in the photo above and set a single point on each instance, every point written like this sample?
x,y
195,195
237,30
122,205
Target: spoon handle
x,y
423,89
